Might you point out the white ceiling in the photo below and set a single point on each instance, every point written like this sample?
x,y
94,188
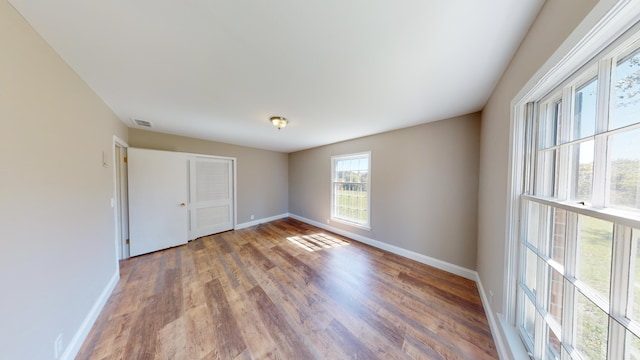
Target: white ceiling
x,y
218,69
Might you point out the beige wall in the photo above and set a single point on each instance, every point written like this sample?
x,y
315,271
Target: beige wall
x,y
556,21
424,182
262,174
58,239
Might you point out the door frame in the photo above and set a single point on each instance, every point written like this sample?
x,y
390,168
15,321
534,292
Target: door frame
x,y
117,204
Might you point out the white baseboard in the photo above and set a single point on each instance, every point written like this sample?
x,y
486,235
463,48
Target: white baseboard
x,y
80,336
507,341
503,353
442,265
260,221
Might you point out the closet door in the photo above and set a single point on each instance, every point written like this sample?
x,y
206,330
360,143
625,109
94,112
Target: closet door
x,y
211,196
158,199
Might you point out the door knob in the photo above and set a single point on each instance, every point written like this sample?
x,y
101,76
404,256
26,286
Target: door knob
x,y
183,204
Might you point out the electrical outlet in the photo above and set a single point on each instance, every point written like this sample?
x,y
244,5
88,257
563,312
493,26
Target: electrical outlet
x,y
58,347
490,297
251,217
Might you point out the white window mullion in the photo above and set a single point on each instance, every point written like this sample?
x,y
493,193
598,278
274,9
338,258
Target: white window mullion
x,y
541,336
568,315
542,280
564,127
524,213
633,248
564,173
564,134
530,150
565,355
622,261
620,294
568,306
615,348
604,95
516,312
598,197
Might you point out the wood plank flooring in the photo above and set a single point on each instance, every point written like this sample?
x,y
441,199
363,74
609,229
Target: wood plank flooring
x,y
287,290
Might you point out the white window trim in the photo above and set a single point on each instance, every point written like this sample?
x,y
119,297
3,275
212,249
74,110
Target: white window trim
x,y
605,23
366,226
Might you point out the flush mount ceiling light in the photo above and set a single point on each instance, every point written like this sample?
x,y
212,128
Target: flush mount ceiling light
x,y
279,121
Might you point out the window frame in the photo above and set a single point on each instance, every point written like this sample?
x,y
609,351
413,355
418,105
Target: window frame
x,y
523,145
623,222
344,220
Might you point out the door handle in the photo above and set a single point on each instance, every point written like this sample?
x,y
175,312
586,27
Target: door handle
x,y
183,204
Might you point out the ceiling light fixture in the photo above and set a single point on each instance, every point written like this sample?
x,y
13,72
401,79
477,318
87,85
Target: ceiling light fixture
x,y
279,121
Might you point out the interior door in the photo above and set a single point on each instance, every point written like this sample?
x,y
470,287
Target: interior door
x,y
158,188
211,196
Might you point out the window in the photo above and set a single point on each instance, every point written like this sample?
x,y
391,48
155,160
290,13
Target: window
x,y
579,265
350,188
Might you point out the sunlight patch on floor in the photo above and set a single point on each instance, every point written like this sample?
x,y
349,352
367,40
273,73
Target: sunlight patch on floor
x,y
317,241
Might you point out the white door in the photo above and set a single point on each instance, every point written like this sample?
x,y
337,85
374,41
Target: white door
x,y
158,188
211,196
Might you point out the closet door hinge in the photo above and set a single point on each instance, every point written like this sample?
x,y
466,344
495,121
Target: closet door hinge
x,y
127,241
125,159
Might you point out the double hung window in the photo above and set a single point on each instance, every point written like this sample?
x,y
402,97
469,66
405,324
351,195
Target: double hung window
x,y
350,188
578,289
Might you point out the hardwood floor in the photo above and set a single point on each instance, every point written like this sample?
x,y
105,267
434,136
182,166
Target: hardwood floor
x,y
287,290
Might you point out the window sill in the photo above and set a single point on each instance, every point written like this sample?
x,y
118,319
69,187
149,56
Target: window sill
x,y
514,342
347,222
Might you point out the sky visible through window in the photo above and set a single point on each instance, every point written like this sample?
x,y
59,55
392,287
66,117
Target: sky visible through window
x,y
625,107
